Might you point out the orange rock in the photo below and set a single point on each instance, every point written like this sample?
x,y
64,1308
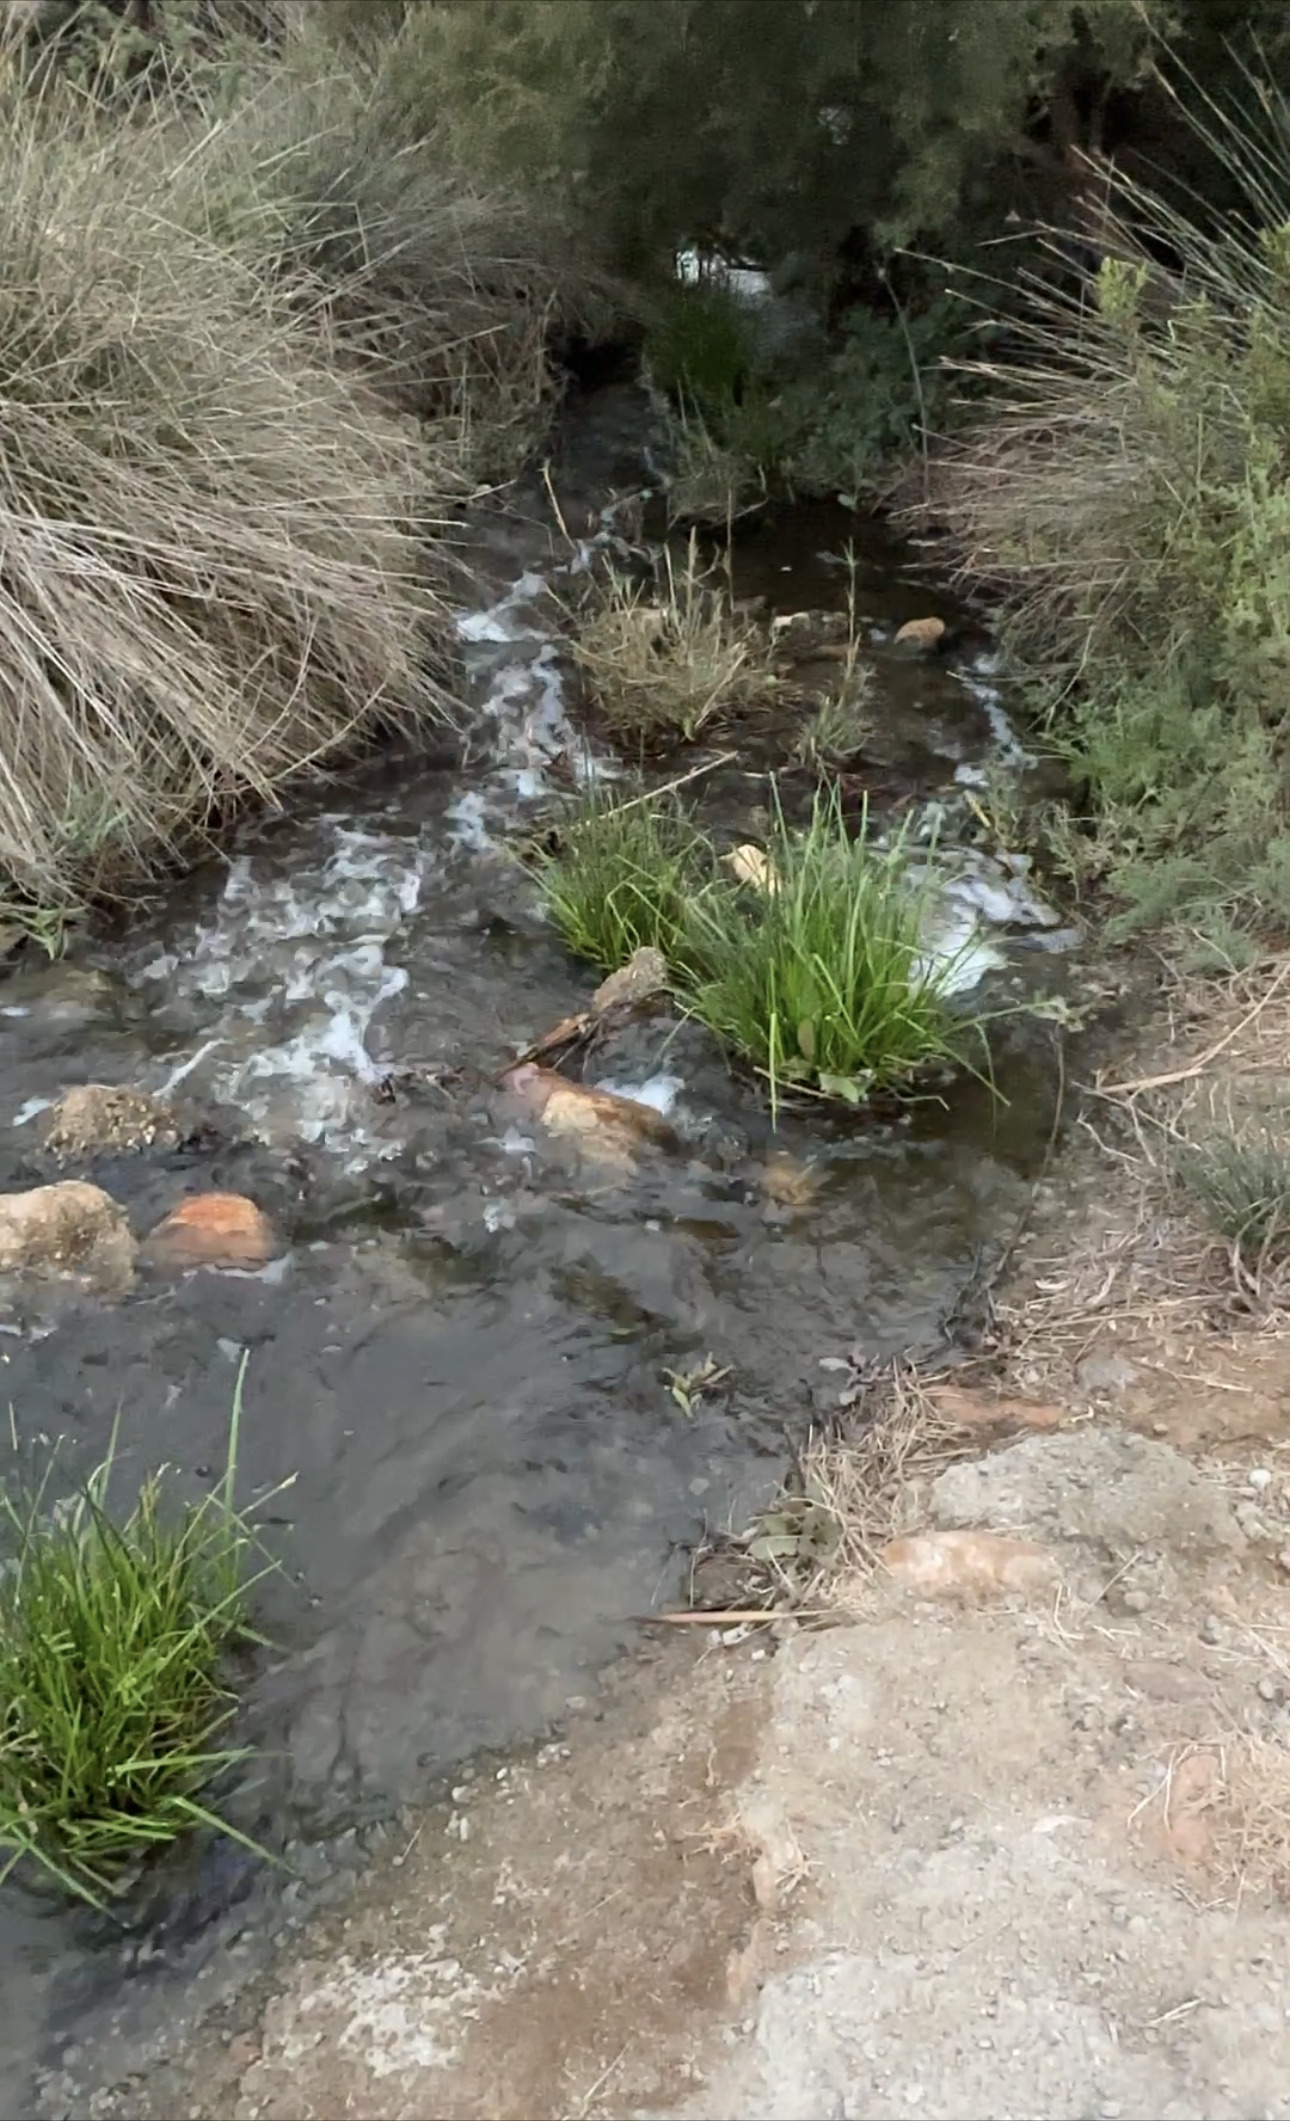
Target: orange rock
x,y
959,1564
610,1127
924,635
987,1410
214,1230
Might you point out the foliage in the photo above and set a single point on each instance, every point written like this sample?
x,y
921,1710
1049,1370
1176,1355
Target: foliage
x,y
819,979
664,657
763,130
1242,1183
113,1696
625,875
807,963
1129,490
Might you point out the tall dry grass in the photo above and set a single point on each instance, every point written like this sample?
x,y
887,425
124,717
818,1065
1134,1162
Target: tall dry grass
x,y
328,168
222,523
210,573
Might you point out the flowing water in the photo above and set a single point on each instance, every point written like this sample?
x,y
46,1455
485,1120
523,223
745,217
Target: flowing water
x,y
460,1367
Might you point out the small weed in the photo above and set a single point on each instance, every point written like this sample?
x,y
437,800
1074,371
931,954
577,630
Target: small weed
x,y
1242,1185
665,658
839,727
822,982
113,1704
625,876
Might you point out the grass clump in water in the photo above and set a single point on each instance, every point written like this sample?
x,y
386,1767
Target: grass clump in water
x,y
665,657
808,961
113,1700
625,875
1241,1182
819,977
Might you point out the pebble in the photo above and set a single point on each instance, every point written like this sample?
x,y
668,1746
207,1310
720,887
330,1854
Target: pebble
x,y
1260,1478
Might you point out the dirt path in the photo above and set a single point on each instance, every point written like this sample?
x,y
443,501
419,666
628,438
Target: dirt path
x,y
1020,1853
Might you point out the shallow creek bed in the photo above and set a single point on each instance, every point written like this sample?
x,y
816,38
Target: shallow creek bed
x,y
460,1361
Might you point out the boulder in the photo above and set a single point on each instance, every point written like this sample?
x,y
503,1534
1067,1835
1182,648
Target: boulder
x,y
72,1230
214,1230
100,1119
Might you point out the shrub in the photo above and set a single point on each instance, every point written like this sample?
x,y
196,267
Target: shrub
x,y
817,975
113,1699
1129,492
211,573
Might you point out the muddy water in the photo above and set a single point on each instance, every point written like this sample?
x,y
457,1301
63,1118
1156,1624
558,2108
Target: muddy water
x,y
460,1367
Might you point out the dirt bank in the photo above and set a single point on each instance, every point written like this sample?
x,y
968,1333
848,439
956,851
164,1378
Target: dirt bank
x,y
1026,1855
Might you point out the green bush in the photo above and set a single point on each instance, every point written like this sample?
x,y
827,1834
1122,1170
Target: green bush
x,y
819,977
624,875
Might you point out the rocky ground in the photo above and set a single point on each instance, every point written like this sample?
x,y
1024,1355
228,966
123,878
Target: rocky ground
x,y
1009,1834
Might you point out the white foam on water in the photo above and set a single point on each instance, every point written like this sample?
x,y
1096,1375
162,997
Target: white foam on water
x,y
973,898
298,962
31,1110
659,1092
977,678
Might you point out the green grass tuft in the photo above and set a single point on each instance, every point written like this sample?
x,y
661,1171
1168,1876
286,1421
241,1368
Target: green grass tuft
x,y
821,981
114,1704
625,875
1242,1185
813,971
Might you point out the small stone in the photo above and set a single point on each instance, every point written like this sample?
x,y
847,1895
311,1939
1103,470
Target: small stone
x,y
1260,1478
72,1230
1136,1601
922,636
214,1230
1268,1689
100,1119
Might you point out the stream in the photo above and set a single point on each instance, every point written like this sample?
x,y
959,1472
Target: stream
x,y
459,1369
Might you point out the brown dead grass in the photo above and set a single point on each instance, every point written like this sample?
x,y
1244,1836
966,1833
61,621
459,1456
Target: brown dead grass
x,y
666,657
852,1490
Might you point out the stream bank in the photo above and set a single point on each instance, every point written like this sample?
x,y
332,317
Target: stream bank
x,y
461,1362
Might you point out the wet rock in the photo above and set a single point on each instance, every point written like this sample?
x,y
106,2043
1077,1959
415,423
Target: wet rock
x,y
643,976
922,636
1108,1488
967,1564
214,1230
612,1128
69,1229
97,1119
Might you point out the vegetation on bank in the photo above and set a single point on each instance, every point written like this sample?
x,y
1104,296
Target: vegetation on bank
x,y
257,343
1127,491
808,960
115,1636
